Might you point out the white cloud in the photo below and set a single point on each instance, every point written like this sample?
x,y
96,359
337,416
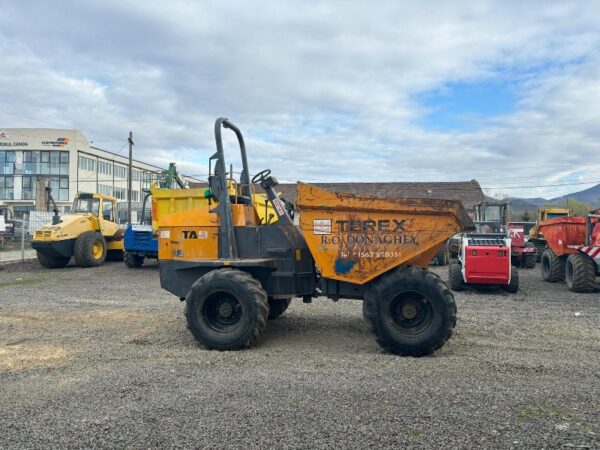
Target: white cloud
x,y
323,92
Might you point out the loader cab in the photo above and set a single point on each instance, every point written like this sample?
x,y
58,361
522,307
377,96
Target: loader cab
x,y
491,217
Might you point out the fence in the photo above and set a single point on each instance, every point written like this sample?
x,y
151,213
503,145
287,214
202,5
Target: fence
x,y
16,235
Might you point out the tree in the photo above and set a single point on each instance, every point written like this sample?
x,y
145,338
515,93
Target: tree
x,y
526,217
580,209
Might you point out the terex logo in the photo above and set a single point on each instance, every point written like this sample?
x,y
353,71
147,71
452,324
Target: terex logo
x,y
191,234
381,226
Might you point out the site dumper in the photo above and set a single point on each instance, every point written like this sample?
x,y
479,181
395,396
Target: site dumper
x,y
235,272
573,252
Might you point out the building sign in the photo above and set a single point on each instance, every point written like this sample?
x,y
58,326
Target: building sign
x,y
4,137
59,142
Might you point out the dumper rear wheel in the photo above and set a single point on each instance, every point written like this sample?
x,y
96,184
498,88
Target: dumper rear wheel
x,y
580,273
411,311
226,309
52,262
277,307
553,267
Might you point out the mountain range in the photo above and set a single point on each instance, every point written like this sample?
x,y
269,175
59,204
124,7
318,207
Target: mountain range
x,y
591,196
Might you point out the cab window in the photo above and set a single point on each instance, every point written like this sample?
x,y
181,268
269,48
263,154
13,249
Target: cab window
x,y
107,211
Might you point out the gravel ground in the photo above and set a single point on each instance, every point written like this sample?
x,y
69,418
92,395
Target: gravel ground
x,y
101,358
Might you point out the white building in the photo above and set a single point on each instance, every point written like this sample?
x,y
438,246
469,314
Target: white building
x,y
69,164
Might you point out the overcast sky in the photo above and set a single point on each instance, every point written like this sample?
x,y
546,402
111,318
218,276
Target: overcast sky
x,y
504,92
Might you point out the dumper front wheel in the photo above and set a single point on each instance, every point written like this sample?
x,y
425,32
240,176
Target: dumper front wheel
x,y
580,273
226,309
411,311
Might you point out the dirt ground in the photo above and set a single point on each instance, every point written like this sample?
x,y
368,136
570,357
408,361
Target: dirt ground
x,y
102,358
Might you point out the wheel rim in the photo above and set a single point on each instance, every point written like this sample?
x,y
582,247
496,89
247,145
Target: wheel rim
x,y
222,312
410,312
97,250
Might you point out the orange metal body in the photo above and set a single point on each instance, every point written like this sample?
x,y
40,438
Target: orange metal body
x,y
193,234
356,238
563,231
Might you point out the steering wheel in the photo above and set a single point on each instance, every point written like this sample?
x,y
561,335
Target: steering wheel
x,y
260,176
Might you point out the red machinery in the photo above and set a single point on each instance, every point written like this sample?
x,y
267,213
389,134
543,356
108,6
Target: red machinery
x,y
492,217
522,254
484,259
573,252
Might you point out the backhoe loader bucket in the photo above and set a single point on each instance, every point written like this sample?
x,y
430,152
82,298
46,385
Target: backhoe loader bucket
x,y
356,238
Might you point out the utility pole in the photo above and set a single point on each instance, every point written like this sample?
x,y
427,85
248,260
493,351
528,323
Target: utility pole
x,y
129,181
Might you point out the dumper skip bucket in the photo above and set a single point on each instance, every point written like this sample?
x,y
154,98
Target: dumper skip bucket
x,y
563,231
356,238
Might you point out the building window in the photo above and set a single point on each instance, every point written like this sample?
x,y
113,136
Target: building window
x,y
120,193
60,188
87,164
135,195
36,162
120,172
104,167
104,189
7,188
136,175
28,186
7,163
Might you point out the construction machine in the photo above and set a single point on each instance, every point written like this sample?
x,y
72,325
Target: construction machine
x,y
536,237
491,217
573,251
484,260
235,272
89,233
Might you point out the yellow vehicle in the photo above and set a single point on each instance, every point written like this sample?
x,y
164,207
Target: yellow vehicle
x,y
545,213
90,233
236,272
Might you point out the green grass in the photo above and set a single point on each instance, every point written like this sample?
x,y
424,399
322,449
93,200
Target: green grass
x,y
415,433
25,282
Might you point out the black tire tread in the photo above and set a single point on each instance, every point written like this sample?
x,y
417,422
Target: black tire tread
x,y
557,267
82,249
277,307
584,273
455,279
133,261
402,275
252,285
513,286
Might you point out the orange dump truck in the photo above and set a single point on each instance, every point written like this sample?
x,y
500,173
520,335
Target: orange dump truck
x,y
235,272
573,252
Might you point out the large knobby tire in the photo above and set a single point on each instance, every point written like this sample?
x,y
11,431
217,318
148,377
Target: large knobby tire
x,y
277,307
580,273
513,286
455,278
90,249
133,261
441,257
50,262
552,266
529,260
411,311
226,309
